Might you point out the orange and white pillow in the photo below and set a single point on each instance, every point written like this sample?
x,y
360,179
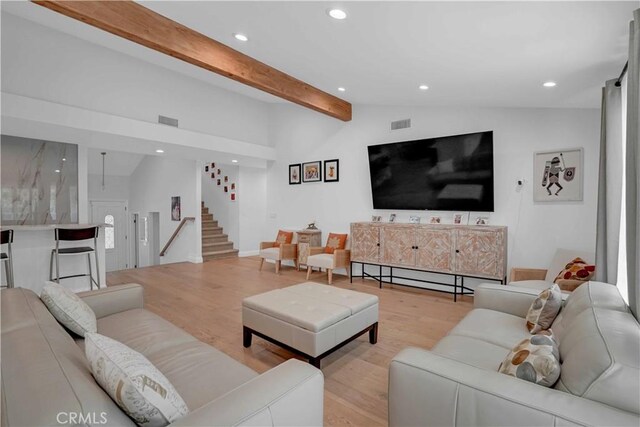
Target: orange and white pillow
x,y
574,274
335,241
284,238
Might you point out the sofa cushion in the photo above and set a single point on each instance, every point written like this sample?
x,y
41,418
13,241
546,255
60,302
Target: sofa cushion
x,y
199,372
137,386
479,321
68,308
354,301
544,309
472,351
534,359
43,372
321,260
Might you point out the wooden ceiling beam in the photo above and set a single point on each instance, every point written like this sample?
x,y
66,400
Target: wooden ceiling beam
x,y
138,24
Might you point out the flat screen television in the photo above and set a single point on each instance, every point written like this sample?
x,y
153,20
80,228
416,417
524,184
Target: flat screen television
x,y
450,173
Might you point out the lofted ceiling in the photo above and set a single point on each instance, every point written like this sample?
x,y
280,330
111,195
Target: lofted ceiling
x,y
488,54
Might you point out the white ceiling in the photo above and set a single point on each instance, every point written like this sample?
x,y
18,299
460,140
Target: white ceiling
x,y
115,163
493,54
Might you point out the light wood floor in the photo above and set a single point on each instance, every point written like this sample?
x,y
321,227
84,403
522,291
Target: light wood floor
x,y
205,300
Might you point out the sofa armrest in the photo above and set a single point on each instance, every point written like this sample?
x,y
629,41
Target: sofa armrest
x,y
342,257
289,251
315,250
427,389
114,299
507,299
265,245
291,394
519,274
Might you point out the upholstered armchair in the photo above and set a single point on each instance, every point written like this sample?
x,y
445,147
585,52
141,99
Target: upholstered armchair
x,y
332,256
281,249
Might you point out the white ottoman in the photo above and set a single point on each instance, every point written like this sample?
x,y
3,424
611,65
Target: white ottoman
x,y
310,319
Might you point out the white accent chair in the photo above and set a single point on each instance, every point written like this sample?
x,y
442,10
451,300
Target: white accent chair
x,y
541,279
286,251
340,258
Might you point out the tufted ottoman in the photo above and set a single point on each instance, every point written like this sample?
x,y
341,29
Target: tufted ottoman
x,y
310,319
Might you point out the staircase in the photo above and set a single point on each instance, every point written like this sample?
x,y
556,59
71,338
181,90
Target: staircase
x,y
215,244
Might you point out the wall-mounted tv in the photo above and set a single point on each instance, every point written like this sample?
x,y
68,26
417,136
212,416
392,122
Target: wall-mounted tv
x,y
450,173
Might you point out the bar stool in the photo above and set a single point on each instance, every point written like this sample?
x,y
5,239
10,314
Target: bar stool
x,y
6,238
75,234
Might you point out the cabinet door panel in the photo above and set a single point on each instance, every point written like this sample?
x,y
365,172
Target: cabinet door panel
x,y
478,252
365,239
396,245
435,249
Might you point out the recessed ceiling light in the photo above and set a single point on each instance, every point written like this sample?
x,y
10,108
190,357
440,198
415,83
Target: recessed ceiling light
x,y
57,170
549,84
241,37
341,89
234,161
423,87
64,159
159,151
337,14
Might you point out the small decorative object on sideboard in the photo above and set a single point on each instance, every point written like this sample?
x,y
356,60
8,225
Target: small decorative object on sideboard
x,y
392,217
312,172
460,218
414,219
434,219
558,175
376,218
482,220
294,174
312,225
331,170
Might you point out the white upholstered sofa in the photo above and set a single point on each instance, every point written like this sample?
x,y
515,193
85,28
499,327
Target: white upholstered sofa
x,y
46,378
457,383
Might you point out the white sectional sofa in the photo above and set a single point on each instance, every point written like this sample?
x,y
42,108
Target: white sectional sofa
x,y
457,382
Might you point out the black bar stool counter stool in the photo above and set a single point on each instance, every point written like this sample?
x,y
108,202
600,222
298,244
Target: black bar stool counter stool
x,y
75,234
6,238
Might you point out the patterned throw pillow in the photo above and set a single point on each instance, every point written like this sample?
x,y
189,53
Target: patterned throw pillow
x,y
284,238
335,241
544,309
577,269
535,359
68,308
133,383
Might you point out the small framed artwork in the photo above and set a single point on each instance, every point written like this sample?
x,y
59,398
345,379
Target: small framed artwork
x,y
482,220
392,218
213,165
312,172
233,185
226,179
376,218
294,174
414,219
213,175
218,181
175,208
460,218
558,175
218,172
331,170
433,219
226,189
206,168
233,197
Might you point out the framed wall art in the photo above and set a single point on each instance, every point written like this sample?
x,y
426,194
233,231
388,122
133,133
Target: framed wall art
x,y
558,175
331,170
175,208
295,177
312,172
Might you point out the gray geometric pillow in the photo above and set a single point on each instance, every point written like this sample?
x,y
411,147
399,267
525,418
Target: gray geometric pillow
x,y
544,309
535,359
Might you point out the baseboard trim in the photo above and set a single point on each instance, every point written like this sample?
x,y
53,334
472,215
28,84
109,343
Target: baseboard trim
x,y
248,253
195,259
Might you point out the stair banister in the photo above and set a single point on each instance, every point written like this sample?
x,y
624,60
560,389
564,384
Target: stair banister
x,y
175,233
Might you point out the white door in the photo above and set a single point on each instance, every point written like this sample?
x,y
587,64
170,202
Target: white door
x,y
113,213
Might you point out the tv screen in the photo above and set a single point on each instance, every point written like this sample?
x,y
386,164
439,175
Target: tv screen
x,y
451,173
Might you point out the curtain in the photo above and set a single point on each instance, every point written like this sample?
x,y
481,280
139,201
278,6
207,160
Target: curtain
x,y
609,184
632,176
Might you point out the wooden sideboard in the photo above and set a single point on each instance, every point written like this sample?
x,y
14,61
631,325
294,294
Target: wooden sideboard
x,y
306,239
458,250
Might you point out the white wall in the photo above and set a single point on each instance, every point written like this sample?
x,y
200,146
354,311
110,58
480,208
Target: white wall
x,y
252,199
116,187
153,183
225,211
535,230
46,64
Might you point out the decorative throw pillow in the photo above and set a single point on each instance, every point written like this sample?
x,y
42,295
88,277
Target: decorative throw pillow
x,y
569,285
335,241
535,359
284,237
68,309
544,309
133,383
577,269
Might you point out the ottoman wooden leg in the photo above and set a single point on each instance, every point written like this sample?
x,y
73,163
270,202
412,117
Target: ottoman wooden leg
x,y
314,361
246,337
373,334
